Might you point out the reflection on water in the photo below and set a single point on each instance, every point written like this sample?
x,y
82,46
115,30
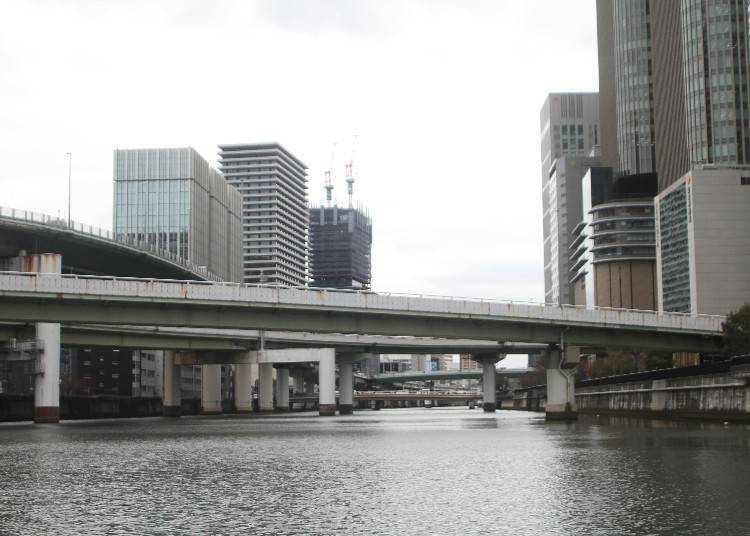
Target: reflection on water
x,y
407,471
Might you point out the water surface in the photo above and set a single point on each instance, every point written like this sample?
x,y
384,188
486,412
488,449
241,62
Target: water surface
x,y
392,472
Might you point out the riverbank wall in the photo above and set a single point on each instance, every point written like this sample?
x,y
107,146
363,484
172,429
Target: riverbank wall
x,y
717,391
21,407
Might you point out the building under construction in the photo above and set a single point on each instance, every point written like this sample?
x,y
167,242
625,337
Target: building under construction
x,y
340,247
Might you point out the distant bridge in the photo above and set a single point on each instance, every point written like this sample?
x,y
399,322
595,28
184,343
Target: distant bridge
x,y
474,374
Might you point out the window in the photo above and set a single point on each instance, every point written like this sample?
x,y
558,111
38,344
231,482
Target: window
x,y
745,181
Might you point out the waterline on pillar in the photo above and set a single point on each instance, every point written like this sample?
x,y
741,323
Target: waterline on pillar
x,y
327,410
46,414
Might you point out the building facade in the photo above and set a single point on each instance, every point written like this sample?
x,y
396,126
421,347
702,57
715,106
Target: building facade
x,y
340,248
673,79
467,363
173,200
569,128
612,254
703,241
562,210
275,219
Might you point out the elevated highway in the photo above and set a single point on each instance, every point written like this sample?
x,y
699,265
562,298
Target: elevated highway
x,y
210,339
31,297
86,249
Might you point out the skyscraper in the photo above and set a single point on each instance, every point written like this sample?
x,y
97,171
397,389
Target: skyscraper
x,y
172,199
275,220
340,247
569,124
673,81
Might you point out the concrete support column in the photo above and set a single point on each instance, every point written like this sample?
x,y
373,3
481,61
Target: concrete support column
x,y
346,387
245,376
561,389
658,395
211,390
488,384
265,394
282,389
171,399
327,385
47,380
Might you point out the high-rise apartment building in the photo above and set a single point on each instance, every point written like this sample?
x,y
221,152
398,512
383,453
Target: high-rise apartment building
x,y
340,248
673,82
173,199
569,125
273,185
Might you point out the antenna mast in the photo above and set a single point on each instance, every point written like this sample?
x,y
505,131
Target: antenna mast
x,y
350,173
329,176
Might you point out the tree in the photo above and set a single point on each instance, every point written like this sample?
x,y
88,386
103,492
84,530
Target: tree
x,y
736,331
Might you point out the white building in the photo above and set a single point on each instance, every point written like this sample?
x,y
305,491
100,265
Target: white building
x,y
569,129
703,241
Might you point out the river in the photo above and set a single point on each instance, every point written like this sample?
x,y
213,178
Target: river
x,y
391,472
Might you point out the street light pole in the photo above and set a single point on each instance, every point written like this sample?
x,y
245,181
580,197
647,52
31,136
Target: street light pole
x,y
70,166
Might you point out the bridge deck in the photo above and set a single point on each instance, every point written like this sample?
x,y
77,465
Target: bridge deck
x,y
82,299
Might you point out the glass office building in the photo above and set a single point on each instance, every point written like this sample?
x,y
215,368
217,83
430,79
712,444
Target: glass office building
x,y
173,200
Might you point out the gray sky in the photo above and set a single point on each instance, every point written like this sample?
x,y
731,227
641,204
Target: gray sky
x,y
444,97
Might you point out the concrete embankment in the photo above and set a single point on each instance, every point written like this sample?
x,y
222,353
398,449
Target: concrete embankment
x,y
710,391
21,407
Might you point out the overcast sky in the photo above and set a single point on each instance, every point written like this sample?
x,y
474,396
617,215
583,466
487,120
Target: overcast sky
x,y
444,97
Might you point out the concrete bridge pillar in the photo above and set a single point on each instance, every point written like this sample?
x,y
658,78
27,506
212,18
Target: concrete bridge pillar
x,y
561,389
327,385
489,387
171,398
346,387
211,390
47,380
282,389
245,376
265,387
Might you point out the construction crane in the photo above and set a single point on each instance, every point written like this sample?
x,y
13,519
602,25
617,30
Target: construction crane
x,y
329,177
350,173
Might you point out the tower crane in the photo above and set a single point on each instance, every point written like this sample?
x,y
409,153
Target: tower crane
x,y
329,177
350,173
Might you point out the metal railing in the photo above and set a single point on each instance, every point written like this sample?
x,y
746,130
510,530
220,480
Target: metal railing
x,y
30,216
